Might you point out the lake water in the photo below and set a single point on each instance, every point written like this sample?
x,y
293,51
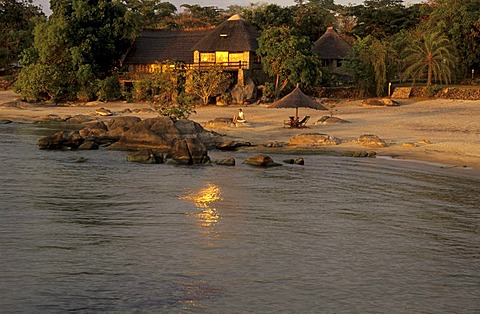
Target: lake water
x,y
336,235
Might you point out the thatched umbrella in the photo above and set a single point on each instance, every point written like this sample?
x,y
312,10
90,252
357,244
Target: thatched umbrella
x,y
297,99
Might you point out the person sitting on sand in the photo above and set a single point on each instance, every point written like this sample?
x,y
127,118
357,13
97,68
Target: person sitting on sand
x,y
240,117
293,122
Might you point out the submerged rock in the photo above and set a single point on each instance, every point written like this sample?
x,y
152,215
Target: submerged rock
x,y
146,156
371,140
261,161
314,139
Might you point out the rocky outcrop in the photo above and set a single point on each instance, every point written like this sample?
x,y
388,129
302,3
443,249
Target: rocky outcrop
x,y
225,162
232,145
146,156
220,123
370,140
242,94
61,140
261,161
314,139
188,151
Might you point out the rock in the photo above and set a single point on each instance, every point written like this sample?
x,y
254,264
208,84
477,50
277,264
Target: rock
x,y
52,118
62,139
189,151
274,144
299,161
423,142
4,121
330,120
314,139
232,145
156,133
146,156
94,131
360,154
261,161
226,162
242,94
371,140
103,112
376,102
119,125
409,144
289,161
80,160
80,118
88,145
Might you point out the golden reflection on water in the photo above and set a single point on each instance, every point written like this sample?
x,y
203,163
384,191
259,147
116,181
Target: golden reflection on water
x,y
208,216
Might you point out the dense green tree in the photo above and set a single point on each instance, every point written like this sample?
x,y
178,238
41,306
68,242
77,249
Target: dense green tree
x,y
153,14
383,18
312,18
460,21
287,57
268,16
17,20
370,64
207,83
430,56
83,40
196,16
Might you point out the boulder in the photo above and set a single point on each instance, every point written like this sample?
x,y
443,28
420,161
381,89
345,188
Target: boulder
x,y
371,140
232,145
94,131
80,118
360,154
119,125
189,151
146,156
244,93
156,133
226,162
314,139
297,161
88,145
5,121
103,112
261,161
60,140
379,102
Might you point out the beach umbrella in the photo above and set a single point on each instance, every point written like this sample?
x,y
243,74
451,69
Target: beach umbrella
x,y
297,99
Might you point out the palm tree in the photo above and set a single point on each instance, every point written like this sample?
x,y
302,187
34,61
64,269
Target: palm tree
x,y
433,55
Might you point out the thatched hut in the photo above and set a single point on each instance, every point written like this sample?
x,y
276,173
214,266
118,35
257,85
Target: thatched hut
x,y
331,48
231,45
152,48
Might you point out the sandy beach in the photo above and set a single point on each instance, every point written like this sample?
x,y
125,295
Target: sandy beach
x,y
433,130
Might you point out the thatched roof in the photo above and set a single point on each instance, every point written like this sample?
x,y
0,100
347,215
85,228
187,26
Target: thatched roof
x,y
330,46
163,45
235,35
297,99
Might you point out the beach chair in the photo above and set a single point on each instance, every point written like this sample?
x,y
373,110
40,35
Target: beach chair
x,y
302,123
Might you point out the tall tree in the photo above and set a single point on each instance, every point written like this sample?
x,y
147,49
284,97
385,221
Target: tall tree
x,y
82,41
268,16
287,57
312,18
431,56
460,21
17,20
153,14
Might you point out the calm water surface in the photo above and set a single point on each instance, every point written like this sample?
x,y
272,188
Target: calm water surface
x,y
335,235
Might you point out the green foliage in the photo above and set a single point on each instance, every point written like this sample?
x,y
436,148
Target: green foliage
x,y
207,83
152,14
460,22
369,64
311,19
383,18
287,57
180,108
17,20
83,42
267,16
109,89
142,90
38,82
430,56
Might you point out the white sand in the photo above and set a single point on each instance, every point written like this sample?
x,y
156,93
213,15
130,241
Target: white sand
x,y
452,126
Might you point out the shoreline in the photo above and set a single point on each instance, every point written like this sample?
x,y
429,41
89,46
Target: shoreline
x,y
451,126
